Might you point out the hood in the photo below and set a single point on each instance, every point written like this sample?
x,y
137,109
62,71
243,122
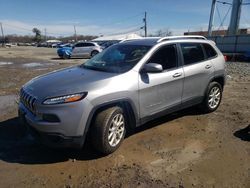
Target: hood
x,y
66,81
64,49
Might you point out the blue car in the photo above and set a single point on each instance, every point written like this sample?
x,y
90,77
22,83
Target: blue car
x,y
80,49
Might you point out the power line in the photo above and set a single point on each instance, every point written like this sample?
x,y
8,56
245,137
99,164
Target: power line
x,y
122,20
224,2
218,12
30,30
17,27
245,19
122,29
127,32
222,21
112,23
225,16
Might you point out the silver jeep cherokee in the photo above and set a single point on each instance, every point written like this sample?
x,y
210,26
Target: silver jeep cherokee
x,y
121,88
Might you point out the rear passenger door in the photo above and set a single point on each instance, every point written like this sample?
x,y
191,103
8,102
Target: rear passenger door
x,y
198,71
87,49
83,50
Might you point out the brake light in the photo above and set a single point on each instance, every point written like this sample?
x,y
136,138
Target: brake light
x,y
225,57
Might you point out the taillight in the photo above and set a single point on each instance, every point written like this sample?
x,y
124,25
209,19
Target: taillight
x,y
225,57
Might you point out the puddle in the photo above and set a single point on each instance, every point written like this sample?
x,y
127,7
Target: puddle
x,y
5,63
176,159
36,64
7,101
28,65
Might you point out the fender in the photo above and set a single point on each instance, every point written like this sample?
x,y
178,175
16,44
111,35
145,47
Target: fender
x,y
118,102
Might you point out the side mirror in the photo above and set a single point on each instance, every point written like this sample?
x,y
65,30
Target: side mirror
x,y
152,68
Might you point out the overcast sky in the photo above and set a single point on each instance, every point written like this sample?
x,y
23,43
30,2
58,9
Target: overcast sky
x,y
105,17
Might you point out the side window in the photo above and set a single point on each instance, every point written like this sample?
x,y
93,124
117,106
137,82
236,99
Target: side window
x,y
79,45
192,53
209,51
90,44
166,56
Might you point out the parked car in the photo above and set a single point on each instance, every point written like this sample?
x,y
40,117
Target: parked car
x,y
107,43
64,45
42,44
54,45
123,87
80,49
9,45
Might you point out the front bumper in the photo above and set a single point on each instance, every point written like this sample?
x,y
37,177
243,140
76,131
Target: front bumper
x,y
68,132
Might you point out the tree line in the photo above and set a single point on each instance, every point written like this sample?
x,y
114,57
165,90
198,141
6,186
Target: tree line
x,y
37,37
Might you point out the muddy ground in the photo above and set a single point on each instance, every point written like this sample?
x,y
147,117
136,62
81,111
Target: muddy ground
x,y
185,149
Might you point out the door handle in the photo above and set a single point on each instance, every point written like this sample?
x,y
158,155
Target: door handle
x,y
208,66
177,75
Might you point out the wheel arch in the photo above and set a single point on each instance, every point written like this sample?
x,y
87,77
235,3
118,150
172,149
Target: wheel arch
x,y
94,50
219,79
126,104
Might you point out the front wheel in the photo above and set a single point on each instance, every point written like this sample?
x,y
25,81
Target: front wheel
x,y
213,97
108,130
65,56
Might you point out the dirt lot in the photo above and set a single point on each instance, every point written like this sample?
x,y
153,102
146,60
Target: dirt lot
x,y
185,149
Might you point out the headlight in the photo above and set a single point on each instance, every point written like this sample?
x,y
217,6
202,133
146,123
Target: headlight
x,y
65,98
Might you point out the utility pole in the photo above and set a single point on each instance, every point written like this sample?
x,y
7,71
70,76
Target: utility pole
x,y
145,23
2,34
211,20
75,33
45,34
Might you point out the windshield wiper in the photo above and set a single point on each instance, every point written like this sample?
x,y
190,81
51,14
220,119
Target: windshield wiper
x,y
94,68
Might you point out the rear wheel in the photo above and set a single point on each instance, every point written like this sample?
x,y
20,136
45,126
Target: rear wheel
x,y
213,97
94,53
108,130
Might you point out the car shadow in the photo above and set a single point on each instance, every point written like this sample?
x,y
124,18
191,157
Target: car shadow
x,y
168,118
17,146
58,58
243,134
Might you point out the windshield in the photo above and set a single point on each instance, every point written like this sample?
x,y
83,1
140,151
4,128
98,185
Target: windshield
x,y
117,58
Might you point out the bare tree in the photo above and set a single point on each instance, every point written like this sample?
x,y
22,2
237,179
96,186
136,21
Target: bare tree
x,y
163,32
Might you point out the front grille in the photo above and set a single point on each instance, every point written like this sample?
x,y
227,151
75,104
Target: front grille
x,y
28,100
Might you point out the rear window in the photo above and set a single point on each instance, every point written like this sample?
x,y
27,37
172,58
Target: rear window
x,y
192,53
210,52
84,44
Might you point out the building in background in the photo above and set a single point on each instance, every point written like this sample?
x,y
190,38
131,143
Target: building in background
x,y
245,31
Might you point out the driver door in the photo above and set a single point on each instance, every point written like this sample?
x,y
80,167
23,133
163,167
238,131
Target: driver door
x,y
162,91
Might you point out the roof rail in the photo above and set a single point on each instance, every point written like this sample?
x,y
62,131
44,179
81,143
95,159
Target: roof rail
x,y
181,37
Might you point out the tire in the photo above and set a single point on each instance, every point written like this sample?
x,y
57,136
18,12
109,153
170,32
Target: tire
x,y
94,53
107,133
65,56
212,98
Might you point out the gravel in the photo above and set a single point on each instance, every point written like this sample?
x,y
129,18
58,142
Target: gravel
x,y
243,69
